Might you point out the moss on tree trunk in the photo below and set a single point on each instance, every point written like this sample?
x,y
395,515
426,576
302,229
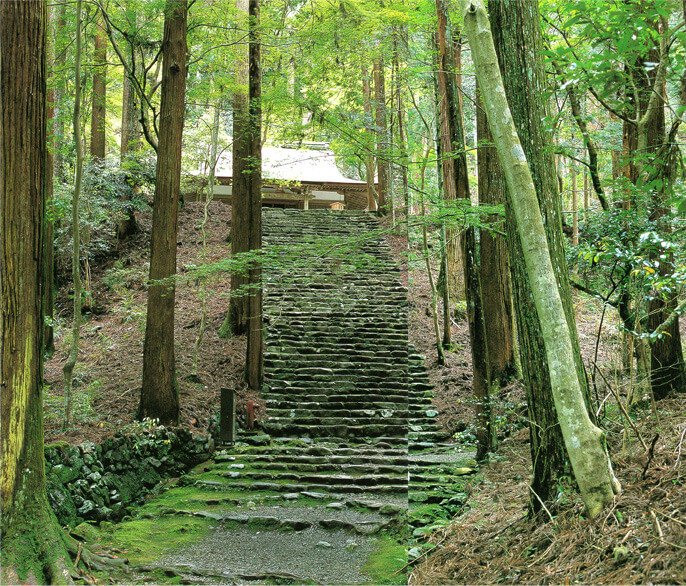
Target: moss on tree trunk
x,y
517,38
583,440
33,549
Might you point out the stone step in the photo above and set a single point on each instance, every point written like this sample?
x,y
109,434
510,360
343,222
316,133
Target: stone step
x,y
286,402
298,413
316,461
288,428
302,488
278,468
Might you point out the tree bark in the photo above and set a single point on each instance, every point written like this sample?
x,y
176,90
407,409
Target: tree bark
x,y
575,204
68,368
370,168
130,143
517,38
159,393
32,546
655,156
99,95
243,164
49,253
255,339
456,183
583,440
399,38
59,95
383,201
494,267
449,109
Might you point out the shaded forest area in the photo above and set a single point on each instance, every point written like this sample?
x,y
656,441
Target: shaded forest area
x,y
522,164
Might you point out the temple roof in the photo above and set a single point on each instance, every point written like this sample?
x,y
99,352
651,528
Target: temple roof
x,y
293,164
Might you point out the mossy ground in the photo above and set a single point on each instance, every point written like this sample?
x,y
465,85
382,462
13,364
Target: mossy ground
x,y
143,541
387,563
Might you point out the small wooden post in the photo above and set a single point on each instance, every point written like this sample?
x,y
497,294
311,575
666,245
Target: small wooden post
x,y
227,416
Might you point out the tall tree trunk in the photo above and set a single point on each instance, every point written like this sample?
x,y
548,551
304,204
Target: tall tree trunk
x,y
209,194
370,170
99,96
383,189
255,340
59,95
456,181
49,253
590,145
494,267
667,370
451,148
159,393
32,546
130,143
398,39
243,164
517,37
654,157
68,368
575,204
583,440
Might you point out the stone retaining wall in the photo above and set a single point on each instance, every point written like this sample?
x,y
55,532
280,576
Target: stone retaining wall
x,y
101,481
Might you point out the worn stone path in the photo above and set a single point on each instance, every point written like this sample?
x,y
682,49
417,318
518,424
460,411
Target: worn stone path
x,y
349,471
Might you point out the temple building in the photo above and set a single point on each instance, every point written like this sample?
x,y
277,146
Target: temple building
x,y
303,178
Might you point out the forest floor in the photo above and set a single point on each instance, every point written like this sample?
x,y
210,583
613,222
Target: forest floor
x,y
642,539
108,373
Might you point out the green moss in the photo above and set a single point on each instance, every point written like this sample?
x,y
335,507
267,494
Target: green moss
x,y
58,445
36,549
387,562
426,514
144,541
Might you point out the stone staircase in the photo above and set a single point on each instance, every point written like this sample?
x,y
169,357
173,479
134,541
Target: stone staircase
x,y
350,469
337,358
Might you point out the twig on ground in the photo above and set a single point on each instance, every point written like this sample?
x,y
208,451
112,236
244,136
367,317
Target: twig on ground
x,y
78,555
679,446
538,498
656,524
622,408
651,453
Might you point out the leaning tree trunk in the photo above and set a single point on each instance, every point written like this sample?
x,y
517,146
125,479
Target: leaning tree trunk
x,y
159,393
584,441
32,547
517,37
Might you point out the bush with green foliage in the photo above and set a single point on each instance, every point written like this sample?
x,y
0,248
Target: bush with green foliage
x,y
110,191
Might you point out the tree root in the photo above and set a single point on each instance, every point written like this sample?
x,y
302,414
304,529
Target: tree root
x,y
86,559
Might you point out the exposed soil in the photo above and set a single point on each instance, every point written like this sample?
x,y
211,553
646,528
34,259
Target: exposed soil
x,y
108,374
